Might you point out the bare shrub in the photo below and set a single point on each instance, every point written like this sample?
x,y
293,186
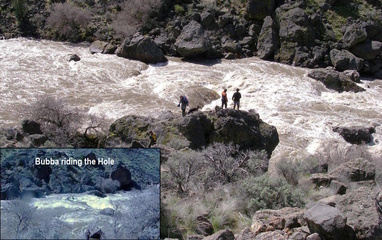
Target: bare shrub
x,y
134,14
20,216
62,123
293,169
68,21
228,164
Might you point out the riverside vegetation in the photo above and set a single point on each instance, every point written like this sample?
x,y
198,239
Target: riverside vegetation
x,y
214,183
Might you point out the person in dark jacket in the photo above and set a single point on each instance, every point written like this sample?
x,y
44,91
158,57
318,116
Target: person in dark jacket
x,y
236,99
183,102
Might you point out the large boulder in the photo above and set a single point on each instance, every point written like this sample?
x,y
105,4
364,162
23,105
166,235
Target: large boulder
x,y
244,129
142,49
268,41
368,50
363,211
327,221
203,226
354,34
31,127
339,81
196,128
259,9
192,41
122,174
345,60
101,47
356,135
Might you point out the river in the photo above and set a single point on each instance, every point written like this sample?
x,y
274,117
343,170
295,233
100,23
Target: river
x,y
302,109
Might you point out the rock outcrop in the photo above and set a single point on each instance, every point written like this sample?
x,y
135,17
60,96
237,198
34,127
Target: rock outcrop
x,y
142,49
356,135
192,41
339,81
244,129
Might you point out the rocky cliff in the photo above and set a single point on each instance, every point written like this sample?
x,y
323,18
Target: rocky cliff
x,y
343,34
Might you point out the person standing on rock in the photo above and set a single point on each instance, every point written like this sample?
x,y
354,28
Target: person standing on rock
x,y
236,99
153,138
183,103
224,98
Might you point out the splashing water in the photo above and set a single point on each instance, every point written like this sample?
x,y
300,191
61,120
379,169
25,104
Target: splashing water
x,y
302,109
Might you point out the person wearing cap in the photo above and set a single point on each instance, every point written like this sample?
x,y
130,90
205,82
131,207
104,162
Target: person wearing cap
x,y
236,99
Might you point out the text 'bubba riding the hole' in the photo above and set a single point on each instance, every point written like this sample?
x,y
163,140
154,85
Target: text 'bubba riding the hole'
x,y
73,161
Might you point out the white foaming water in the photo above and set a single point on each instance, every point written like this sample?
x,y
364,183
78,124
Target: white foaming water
x,y
302,109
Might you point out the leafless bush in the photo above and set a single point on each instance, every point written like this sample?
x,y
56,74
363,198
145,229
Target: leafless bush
x,y
20,216
293,169
134,13
62,123
68,21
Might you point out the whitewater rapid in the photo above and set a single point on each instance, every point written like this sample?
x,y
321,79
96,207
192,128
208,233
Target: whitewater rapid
x,y
302,109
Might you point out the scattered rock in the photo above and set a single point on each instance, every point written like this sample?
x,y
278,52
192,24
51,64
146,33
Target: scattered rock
x,y
356,170
74,57
221,235
356,135
203,226
326,221
338,187
38,139
354,34
258,9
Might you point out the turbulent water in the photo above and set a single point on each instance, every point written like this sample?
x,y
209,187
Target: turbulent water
x,y
302,109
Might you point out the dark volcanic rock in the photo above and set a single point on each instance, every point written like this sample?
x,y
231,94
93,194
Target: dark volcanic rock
x,y
354,34
31,127
74,57
122,175
142,49
368,50
259,9
38,139
336,80
345,60
356,135
245,129
268,41
192,41
196,128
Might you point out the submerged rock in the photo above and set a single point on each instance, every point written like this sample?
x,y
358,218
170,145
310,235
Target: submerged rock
x,y
356,135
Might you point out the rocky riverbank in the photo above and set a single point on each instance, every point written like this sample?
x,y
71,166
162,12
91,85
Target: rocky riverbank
x,y
343,34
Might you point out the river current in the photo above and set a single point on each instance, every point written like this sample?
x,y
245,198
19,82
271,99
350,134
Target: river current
x,y
302,109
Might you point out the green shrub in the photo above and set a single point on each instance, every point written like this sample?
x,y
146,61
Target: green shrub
x,y
292,169
179,10
20,9
265,192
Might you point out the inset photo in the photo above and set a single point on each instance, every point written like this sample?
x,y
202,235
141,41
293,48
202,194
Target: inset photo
x,y
80,193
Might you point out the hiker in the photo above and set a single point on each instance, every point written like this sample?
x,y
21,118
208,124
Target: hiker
x,y
153,138
224,98
183,103
236,99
